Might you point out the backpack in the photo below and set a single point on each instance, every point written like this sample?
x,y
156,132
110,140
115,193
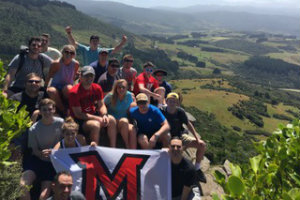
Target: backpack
x,y
24,51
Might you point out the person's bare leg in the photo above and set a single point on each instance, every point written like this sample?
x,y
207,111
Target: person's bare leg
x,y
27,179
55,96
45,190
132,137
143,141
165,139
161,91
92,129
112,131
201,147
65,91
123,129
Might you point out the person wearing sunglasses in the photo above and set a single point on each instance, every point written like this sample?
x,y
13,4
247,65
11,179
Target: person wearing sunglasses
x,y
49,51
63,73
90,53
146,83
127,72
25,63
118,103
160,74
107,79
152,126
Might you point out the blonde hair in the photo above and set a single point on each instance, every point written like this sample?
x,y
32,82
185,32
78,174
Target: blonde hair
x,y
114,90
68,46
70,124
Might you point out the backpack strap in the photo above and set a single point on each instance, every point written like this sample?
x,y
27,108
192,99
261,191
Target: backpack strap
x,y
21,61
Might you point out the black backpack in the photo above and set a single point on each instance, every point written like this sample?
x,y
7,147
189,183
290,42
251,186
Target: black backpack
x,y
24,51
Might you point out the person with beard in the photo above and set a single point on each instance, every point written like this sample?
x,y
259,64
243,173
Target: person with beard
x,y
127,72
24,64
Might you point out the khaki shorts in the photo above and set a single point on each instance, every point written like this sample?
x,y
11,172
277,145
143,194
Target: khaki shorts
x,y
187,139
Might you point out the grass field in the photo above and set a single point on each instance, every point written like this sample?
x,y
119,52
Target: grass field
x,y
217,102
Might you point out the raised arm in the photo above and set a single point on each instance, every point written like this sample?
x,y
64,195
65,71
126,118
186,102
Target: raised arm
x,y
119,46
71,39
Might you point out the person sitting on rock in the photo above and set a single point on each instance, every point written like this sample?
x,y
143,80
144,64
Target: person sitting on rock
x,y
71,138
152,126
176,117
63,72
118,103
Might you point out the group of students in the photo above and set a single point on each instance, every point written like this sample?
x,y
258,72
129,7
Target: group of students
x,y
77,105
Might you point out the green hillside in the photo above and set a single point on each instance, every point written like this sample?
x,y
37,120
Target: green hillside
x,y
22,19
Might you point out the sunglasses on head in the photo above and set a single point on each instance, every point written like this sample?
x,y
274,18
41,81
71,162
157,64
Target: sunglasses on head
x,y
69,52
34,81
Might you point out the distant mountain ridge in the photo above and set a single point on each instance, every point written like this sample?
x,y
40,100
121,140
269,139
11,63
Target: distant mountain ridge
x,y
150,20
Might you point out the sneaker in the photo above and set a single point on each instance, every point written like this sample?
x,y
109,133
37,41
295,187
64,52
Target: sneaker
x,y
200,176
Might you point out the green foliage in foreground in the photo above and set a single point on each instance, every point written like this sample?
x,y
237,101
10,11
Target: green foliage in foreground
x,y
12,123
273,174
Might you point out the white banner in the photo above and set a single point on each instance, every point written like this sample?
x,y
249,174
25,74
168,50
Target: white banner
x,y
109,173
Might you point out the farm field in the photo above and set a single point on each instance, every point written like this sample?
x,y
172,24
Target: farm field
x,y
217,102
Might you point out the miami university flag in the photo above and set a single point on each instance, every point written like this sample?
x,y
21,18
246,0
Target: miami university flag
x,y
109,173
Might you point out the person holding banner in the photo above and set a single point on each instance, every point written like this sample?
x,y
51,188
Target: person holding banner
x,y
42,137
118,103
91,117
183,171
62,188
152,126
70,133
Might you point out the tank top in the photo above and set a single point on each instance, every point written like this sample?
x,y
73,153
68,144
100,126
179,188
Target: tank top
x,y
62,144
64,76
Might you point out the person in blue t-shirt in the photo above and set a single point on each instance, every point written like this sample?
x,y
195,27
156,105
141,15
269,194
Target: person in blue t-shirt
x,y
152,126
118,103
90,53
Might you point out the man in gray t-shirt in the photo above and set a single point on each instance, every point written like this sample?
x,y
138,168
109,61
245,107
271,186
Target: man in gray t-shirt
x,y
42,137
34,61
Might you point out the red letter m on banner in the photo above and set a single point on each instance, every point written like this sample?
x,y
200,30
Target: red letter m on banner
x,y
96,175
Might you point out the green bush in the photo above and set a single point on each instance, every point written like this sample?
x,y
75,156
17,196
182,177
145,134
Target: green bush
x,y
273,174
12,124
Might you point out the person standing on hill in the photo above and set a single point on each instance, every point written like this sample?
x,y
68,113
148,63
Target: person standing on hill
x,y
49,51
23,64
90,53
100,66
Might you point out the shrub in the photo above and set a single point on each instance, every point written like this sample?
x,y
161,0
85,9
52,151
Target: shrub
x,y
273,174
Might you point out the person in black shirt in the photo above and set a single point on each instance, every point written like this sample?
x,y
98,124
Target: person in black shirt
x,y
183,171
176,117
31,96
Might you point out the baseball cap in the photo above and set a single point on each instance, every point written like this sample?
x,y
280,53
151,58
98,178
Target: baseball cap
x,y
141,97
172,95
104,50
87,70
